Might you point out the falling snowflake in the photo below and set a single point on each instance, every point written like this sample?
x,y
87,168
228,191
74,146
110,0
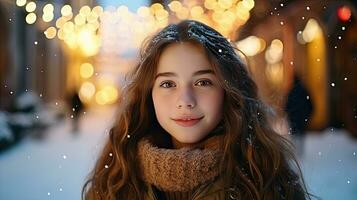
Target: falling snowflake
x,y
281,4
60,189
348,182
35,42
281,23
343,28
339,37
48,193
291,63
128,136
64,156
11,92
220,50
318,60
319,153
110,154
307,8
302,18
307,97
345,79
333,84
106,166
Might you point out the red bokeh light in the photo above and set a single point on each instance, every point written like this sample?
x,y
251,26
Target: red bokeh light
x,y
344,13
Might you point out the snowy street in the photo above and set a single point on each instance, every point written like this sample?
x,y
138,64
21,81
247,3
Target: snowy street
x,y
56,166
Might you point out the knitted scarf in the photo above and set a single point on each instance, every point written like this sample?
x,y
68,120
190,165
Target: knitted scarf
x,y
179,170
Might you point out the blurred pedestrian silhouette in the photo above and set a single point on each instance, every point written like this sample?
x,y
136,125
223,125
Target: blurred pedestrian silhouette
x,y
298,109
76,109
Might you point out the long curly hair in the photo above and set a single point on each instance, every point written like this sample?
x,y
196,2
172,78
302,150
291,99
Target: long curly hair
x,y
260,161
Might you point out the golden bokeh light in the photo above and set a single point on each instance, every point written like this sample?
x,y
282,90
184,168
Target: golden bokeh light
x,y
30,6
196,11
47,17
143,11
175,6
50,32
48,8
225,4
87,91
66,10
31,18
86,70
20,3
85,10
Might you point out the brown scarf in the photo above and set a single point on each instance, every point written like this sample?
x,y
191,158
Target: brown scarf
x,y
180,169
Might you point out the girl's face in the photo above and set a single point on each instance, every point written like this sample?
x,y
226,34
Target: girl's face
x,y
187,98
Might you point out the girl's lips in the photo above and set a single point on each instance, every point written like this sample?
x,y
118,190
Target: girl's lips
x,y
187,123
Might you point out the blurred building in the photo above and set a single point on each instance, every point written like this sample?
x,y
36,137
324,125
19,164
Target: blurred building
x,y
316,40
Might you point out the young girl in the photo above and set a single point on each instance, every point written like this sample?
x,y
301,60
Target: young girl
x,y
191,126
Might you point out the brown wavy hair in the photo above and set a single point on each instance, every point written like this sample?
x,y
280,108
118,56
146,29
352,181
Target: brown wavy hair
x,y
260,160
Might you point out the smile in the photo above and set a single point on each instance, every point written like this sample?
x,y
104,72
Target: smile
x,y
187,122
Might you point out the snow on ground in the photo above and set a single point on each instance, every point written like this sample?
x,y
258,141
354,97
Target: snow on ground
x,y
55,167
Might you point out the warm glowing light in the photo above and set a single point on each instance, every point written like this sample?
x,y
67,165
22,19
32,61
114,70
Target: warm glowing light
x,y
274,53
143,11
66,10
210,4
98,10
86,70
88,42
31,6
344,13
251,45
225,4
31,18
79,20
183,13
50,32
275,73
60,22
60,34
112,93
311,30
241,12
47,17
249,4
48,8
85,10
92,17
175,6
161,14
196,11
107,95
101,97
20,3
155,7
68,27
86,91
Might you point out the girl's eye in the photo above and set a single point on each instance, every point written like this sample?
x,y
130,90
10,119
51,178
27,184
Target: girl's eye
x,y
204,83
167,84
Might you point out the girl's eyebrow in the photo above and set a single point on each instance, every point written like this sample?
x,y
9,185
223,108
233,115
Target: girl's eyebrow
x,y
172,74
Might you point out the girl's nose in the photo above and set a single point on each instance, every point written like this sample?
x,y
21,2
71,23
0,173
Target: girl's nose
x,y
186,99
